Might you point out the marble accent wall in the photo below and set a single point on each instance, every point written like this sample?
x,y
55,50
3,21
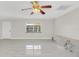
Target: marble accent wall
x,y
71,45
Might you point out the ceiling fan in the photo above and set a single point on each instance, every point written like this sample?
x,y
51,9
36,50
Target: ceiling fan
x,y
37,8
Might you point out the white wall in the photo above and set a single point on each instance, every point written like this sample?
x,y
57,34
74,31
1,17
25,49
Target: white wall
x,y
68,25
18,29
0,29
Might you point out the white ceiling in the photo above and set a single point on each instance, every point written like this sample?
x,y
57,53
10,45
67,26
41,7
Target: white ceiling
x,y
12,9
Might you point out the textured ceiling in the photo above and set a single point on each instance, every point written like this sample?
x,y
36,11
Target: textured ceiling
x,y
13,9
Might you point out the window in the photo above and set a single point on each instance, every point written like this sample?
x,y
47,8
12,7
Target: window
x,y
33,28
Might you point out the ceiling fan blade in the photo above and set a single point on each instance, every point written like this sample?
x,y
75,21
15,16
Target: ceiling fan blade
x,y
47,6
26,9
42,12
32,13
34,2
31,3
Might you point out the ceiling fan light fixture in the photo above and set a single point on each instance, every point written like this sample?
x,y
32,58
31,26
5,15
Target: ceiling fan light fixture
x,y
36,10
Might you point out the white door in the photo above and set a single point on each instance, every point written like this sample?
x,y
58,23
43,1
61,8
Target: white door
x,y
6,29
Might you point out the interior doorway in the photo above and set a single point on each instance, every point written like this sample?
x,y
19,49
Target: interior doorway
x,y
6,29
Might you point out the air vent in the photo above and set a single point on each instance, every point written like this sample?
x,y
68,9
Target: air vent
x,y
63,7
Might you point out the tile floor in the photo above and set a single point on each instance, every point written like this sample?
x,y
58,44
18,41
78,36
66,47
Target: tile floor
x,y
33,48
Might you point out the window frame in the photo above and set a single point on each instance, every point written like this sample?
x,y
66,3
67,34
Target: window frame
x,y
33,28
